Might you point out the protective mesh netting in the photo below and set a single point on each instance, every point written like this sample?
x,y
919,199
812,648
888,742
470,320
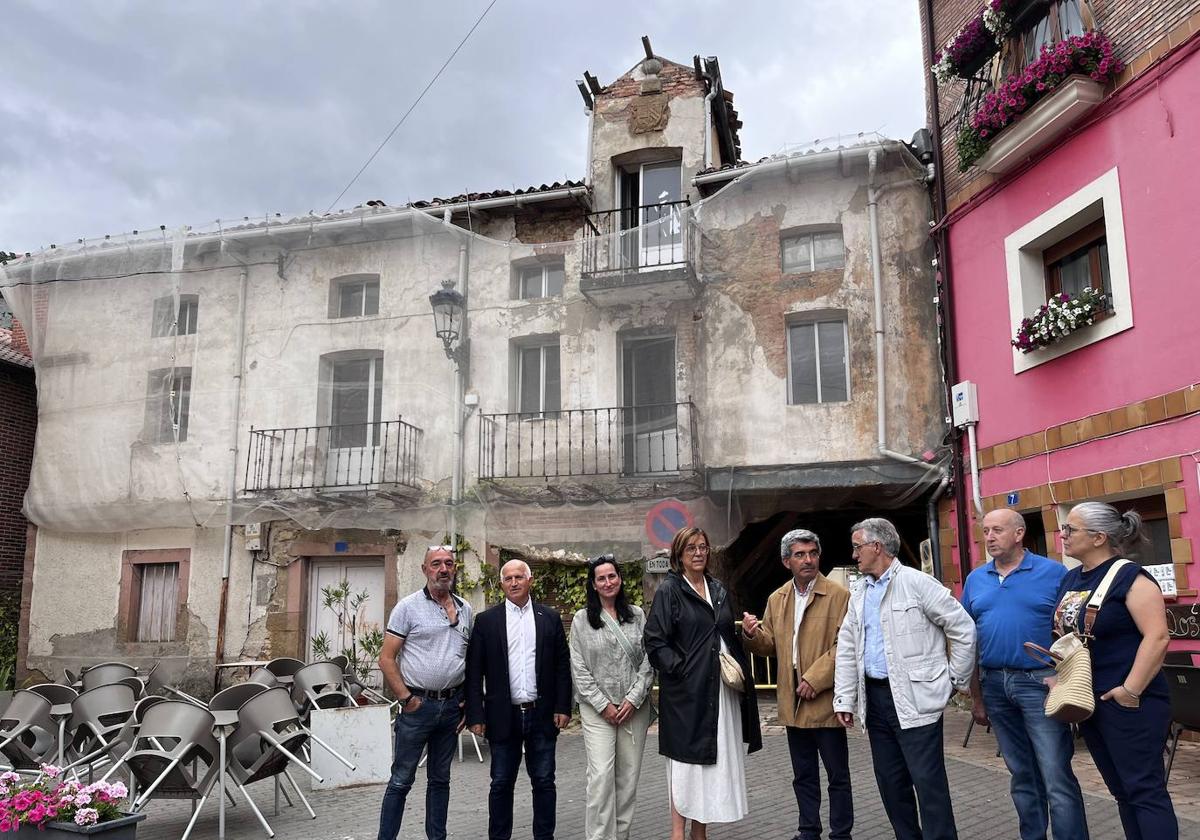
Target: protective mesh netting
x,y
135,343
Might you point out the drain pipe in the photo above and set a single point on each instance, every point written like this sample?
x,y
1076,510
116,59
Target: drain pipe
x,y
461,362
236,408
708,100
873,193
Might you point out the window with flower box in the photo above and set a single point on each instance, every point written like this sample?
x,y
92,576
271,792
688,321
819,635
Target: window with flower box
x,y
1079,262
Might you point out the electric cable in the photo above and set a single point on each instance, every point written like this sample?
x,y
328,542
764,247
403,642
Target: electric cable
x,y
411,108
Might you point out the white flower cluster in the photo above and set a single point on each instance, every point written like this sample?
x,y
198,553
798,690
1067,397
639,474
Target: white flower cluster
x,y
1059,317
943,71
996,21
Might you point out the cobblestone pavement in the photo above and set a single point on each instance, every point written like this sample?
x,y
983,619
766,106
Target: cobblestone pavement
x,y
978,780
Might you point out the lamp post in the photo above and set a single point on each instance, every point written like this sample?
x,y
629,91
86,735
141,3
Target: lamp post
x,y
450,325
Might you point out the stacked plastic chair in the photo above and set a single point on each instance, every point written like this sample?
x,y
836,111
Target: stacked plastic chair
x,y
107,673
320,685
27,737
98,715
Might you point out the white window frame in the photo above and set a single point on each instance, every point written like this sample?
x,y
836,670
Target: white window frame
x,y
340,283
544,347
183,319
160,401
1025,266
545,271
816,320
810,234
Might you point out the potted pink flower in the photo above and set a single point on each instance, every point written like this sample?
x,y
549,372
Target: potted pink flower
x,y
52,807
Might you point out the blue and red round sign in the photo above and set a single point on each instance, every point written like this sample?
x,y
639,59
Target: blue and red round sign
x,y
664,520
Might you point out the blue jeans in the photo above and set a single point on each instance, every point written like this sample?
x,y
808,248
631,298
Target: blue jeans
x,y
434,724
539,745
1037,751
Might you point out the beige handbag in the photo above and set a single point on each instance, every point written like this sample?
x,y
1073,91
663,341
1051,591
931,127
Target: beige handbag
x,y
731,672
1072,699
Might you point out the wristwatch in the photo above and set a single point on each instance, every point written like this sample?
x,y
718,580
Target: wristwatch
x,y
404,702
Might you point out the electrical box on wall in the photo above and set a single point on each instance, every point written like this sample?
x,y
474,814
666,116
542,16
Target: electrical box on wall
x,y
253,533
964,403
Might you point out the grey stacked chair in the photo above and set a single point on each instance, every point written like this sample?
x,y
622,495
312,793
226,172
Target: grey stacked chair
x,y
173,756
355,686
320,685
232,698
269,737
264,677
60,697
27,732
98,715
107,673
284,668
135,685
1183,682
342,661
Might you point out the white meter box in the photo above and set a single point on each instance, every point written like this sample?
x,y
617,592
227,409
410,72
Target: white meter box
x,y
964,403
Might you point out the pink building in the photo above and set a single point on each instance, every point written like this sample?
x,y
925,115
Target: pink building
x,y
1079,128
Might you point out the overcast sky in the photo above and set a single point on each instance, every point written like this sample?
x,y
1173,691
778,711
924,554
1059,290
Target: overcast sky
x,y
120,114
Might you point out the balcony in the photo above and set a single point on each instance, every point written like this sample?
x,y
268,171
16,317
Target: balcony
x,y
377,456
643,442
638,254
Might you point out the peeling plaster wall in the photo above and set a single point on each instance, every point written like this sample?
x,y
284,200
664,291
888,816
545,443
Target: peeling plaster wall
x,y
76,623
749,299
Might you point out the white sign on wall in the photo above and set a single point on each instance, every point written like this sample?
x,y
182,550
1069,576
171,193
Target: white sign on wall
x,y
1164,574
658,565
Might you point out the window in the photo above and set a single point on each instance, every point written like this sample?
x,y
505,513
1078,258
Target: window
x,y
1079,262
168,401
1080,241
542,280
354,296
153,595
169,320
1156,549
538,379
1062,20
814,251
818,364
356,402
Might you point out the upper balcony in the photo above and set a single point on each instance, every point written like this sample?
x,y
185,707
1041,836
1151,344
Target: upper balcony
x,y
380,456
638,254
646,441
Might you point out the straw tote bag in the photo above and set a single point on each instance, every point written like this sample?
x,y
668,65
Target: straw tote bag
x,y
1072,699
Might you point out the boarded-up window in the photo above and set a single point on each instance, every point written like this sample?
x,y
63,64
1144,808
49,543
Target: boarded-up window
x,y
157,587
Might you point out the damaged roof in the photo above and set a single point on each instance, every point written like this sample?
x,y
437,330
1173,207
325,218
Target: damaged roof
x,y
481,196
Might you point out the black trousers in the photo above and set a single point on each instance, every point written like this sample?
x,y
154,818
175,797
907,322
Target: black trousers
x,y
910,769
805,745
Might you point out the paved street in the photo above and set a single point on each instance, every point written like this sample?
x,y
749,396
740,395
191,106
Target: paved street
x,y
978,780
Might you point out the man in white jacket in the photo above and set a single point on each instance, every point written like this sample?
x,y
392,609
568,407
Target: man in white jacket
x,y
893,673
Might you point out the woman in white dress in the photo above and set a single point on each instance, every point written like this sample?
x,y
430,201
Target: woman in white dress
x,y
705,726
612,679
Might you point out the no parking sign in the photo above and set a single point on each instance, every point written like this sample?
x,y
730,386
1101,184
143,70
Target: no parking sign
x,y
664,520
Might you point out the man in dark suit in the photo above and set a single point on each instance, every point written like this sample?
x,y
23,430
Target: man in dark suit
x,y
518,694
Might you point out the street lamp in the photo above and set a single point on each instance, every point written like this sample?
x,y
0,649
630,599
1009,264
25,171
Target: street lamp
x,y
448,308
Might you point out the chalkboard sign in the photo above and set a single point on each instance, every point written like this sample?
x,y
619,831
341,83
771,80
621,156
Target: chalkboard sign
x,y
1183,621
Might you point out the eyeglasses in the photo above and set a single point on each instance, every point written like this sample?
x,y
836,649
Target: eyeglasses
x,y
855,547
1068,530
695,549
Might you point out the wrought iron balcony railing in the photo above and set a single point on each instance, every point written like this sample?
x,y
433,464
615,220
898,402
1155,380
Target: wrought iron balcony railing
x,y
635,238
318,457
636,441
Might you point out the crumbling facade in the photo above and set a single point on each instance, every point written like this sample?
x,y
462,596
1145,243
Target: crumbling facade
x,y
678,337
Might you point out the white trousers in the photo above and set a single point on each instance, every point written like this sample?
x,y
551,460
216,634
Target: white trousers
x,y
614,763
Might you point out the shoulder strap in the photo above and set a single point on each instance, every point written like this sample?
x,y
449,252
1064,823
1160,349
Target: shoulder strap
x,y
1094,603
622,639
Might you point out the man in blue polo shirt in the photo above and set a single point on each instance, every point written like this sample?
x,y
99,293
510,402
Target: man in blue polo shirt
x,y
1012,599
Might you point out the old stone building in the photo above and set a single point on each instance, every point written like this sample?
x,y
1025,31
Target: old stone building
x,y
678,336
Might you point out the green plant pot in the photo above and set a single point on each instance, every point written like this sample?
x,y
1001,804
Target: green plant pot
x,y
122,828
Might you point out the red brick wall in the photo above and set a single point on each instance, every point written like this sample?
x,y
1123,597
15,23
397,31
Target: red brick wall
x,y
1134,26
18,419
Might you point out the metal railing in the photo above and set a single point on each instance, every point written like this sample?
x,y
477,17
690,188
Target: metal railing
x,y
632,238
655,439
317,457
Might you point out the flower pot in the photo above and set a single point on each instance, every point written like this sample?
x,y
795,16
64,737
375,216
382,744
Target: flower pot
x,y
122,828
976,63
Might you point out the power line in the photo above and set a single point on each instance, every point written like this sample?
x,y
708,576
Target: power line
x,y
416,102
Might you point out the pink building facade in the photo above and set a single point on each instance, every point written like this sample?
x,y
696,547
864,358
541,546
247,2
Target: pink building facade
x,y
1095,187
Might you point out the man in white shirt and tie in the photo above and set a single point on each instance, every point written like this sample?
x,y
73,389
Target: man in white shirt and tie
x,y
518,694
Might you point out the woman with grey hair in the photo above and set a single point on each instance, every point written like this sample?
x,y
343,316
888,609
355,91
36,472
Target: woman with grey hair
x,y
1128,731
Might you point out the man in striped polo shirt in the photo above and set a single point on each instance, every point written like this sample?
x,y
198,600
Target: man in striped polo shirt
x,y
423,661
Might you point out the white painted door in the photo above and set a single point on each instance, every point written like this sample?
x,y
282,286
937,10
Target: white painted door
x,y
355,458
364,574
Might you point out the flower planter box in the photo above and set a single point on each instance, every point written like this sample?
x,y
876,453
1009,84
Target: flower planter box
x,y
977,62
363,735
124,828
1042,124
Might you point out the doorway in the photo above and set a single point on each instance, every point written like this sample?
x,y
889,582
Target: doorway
x,y
648,382
363,574
650,219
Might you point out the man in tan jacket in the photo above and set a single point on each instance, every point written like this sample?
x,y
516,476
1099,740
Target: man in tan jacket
x,y
800,630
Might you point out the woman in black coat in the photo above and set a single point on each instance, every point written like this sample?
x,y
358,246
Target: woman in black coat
x,y
703,723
